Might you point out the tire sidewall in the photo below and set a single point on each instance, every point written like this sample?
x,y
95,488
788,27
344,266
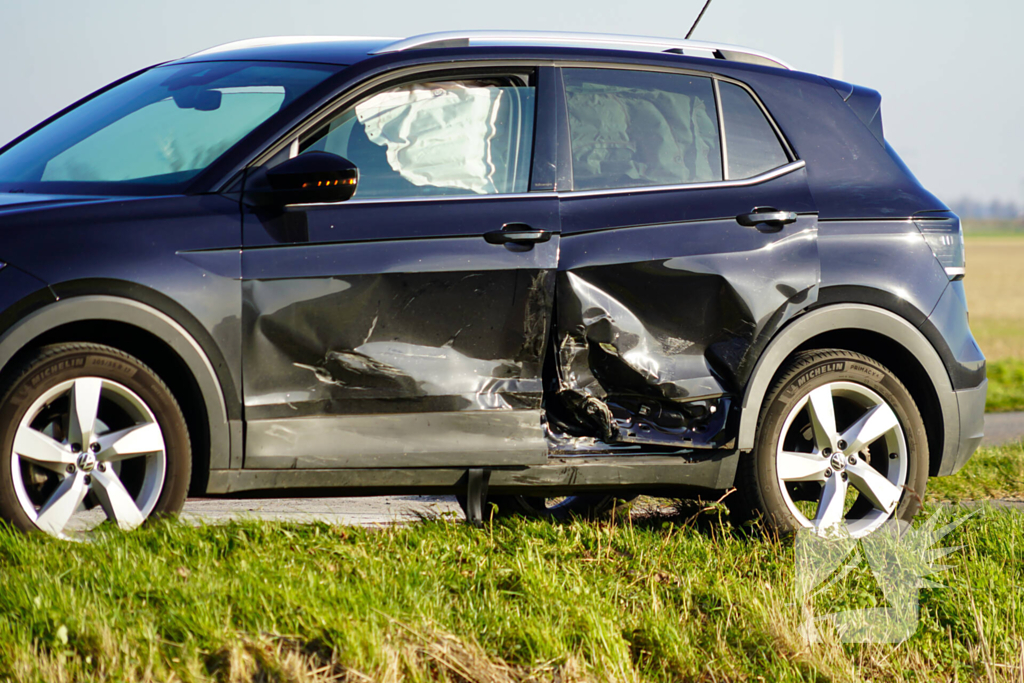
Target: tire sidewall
x,y
801,381
50,369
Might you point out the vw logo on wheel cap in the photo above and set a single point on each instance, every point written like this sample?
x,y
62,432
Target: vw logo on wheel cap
x,y
87,461
838,461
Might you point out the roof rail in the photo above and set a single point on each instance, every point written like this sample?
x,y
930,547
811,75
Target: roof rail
x,y
603,40
280,40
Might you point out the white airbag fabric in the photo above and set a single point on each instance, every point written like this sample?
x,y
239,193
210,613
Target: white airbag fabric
x,y
437,134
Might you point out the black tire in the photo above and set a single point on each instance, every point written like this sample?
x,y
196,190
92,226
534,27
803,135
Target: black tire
x,y
49,367
759,491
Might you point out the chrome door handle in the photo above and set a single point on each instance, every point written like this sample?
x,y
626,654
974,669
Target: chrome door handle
x,y
768,216
517,233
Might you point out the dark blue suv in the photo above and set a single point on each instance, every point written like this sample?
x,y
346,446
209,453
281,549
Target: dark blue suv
x,y
544,271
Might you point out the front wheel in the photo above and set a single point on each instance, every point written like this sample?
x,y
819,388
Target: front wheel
x,y
89,434
841,446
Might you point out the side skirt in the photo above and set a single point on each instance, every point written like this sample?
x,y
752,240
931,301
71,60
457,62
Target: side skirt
x,y
559,476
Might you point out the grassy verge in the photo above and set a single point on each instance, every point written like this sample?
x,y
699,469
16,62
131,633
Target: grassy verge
x,y
685,597
991,473
1005,385
640,600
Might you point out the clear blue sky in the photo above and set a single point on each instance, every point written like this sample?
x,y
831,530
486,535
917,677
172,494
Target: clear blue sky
x,y
948,70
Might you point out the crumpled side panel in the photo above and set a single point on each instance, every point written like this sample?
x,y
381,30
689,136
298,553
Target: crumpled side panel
x,y
666,342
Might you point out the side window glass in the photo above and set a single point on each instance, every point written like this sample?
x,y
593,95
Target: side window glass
x,y
751,145
636,128
454,137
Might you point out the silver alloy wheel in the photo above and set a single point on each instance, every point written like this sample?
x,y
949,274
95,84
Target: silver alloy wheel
x,y
82,437
866,461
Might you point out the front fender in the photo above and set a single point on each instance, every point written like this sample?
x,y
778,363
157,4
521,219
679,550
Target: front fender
x,y
117,309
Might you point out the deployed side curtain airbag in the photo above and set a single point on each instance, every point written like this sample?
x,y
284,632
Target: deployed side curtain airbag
x,y
438,134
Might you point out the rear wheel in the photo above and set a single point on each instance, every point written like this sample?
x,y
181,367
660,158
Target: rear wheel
x,y
841,446
89,434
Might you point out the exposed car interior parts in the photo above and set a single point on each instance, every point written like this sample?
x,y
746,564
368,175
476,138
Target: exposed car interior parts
x,y
624,382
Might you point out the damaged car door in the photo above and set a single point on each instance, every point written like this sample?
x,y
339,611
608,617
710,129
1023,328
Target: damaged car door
x,y
407,325
689,237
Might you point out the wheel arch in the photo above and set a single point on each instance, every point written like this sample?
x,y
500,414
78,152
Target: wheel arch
x,y
155,338
879,334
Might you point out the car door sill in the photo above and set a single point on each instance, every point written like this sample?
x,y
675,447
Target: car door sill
x,y
480,438
712,470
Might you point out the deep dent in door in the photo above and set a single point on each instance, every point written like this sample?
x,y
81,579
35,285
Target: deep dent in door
x,y
384,360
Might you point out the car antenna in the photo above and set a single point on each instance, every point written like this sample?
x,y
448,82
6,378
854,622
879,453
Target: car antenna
x,y
697,21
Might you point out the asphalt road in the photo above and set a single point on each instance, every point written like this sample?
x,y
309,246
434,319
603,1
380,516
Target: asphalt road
x,y
999,428
1003,428
348,511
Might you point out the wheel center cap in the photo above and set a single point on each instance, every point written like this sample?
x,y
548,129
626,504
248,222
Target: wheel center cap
x,y
838,461
87,461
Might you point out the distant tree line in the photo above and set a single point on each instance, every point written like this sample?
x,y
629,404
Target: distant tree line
x,y
993,210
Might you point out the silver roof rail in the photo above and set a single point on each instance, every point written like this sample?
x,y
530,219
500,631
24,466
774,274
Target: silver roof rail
x,y
269,41
600,40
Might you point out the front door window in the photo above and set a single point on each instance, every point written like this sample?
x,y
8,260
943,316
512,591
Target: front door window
x,y
439,137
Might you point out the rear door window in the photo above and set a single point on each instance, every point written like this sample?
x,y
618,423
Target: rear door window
x,y
751,145
641,128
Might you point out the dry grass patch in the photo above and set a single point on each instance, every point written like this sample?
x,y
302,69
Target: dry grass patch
x,y
995,294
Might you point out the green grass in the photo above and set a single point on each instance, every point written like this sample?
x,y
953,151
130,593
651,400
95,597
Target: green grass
x,y
685,597
991,473
655,600
1005,385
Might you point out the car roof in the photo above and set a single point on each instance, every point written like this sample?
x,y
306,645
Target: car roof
x,y
347,50
342,50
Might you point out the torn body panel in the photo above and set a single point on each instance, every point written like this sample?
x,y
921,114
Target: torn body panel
x,y
658,325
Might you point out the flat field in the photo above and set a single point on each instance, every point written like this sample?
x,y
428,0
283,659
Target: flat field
x,y
995,298
995,293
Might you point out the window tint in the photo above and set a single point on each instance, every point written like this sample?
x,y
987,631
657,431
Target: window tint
x,y
750,142
636,128
454,137
163,138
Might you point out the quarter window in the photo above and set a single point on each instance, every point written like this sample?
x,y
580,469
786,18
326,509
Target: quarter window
x,y
751,145
439,137
641,128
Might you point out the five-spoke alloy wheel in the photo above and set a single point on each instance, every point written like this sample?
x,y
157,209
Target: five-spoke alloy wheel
x,y
91,434
841,448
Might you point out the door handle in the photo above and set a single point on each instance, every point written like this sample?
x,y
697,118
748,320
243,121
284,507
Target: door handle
x,y
767,216
517,233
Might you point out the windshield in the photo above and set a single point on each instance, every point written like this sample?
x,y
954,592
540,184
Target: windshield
x,y
155,132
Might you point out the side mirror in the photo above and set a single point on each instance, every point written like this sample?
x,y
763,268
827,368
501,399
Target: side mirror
x,y
311,178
